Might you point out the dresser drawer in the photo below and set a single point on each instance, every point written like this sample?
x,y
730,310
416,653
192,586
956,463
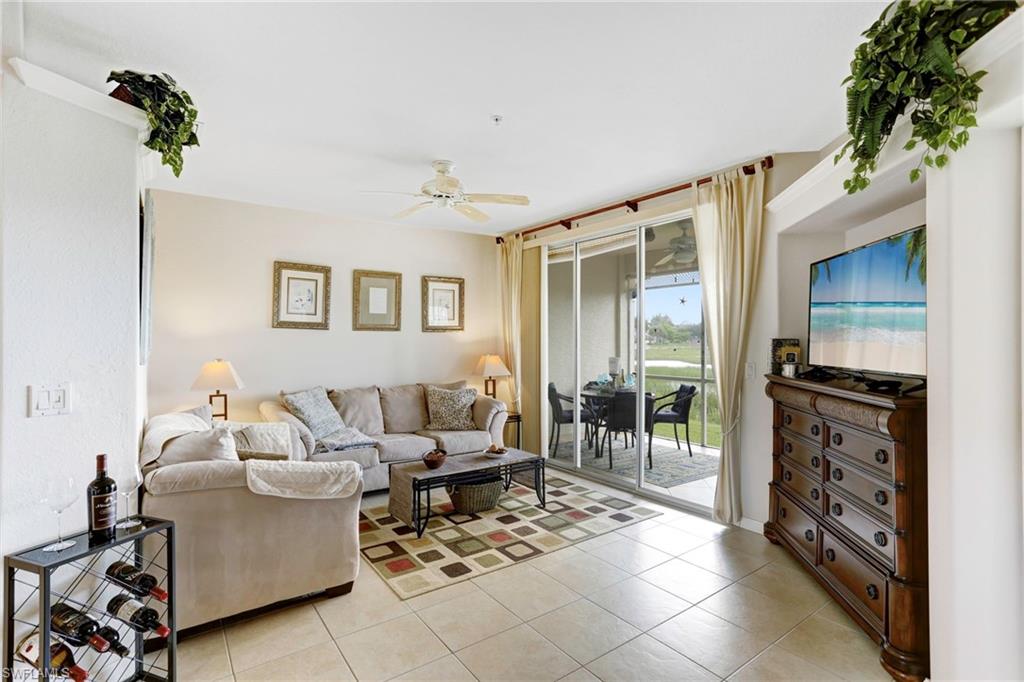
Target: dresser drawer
x,y
872,493
864,585
799,526
798,450
801,485
877,453
872,535
802,424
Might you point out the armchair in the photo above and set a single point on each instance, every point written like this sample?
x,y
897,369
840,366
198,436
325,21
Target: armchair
x,y
561,415
676,412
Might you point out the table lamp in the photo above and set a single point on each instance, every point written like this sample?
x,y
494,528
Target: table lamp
x,y
218,374
489,367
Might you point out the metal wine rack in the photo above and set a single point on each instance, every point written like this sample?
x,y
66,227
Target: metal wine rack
x,y
38,579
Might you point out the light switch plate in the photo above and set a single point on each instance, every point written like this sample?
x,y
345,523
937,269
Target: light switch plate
x,y
751,370
49,400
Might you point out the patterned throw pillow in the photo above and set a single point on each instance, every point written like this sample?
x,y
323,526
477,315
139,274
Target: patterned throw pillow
x,y
314,409
450,410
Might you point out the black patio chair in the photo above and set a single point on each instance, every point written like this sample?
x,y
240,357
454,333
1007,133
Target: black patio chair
x,y
620,417
562,415
675,413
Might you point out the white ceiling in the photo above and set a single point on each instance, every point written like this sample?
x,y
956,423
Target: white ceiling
x,y
307,105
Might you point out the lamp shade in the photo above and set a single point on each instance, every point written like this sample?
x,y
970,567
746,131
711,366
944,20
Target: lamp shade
x,y
217,374
492,366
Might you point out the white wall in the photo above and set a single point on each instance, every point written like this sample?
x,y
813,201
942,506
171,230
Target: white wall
x,y
212,298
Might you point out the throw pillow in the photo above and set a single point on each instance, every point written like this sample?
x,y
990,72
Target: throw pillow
x,y
200,446
450,410
272,438
204,412
314,409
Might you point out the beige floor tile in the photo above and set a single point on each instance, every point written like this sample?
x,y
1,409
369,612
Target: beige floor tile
x,y
645,659
467,620
556,557
701,527
724,560
755,612
791,585
369,603
584,630
716,644
447,669
670,540
517,654
425,601
392,648
637,528
778,665
685,580
834,612
320,662
851,655
585,574
630,555
525,591
204,657
580,675
254,642
639,603
752,543
598,541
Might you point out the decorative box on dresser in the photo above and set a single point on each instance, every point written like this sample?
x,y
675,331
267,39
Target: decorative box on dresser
x,y
849,500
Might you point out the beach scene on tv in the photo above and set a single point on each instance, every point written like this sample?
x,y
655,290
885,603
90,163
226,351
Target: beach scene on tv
x,y
868,307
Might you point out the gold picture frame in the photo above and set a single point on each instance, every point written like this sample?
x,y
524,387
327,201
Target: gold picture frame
x,y
443,303
376,301
302,296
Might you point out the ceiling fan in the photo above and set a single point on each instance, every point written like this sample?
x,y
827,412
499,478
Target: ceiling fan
x,y
682,249
445,191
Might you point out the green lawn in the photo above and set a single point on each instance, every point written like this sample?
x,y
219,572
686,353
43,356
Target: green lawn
x,y
662,385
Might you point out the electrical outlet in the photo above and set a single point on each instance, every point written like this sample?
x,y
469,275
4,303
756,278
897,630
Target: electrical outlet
x,y
751,370
49,400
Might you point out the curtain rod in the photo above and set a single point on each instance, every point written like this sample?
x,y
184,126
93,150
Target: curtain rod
x,y
634,204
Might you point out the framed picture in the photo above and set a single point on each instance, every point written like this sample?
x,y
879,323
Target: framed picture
x,y
784,351
444,299
376,301
302,296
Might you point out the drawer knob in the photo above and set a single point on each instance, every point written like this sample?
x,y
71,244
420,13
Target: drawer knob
x,y
787,476
837,509
787,419
815,430
880,497
872,591
837,474
881,456
815,494
830,554
881,539
809,535
782,512
837,439
787,447
815,461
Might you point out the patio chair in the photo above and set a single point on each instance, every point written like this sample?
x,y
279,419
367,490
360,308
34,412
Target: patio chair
x,y
562,415
675,413
620,417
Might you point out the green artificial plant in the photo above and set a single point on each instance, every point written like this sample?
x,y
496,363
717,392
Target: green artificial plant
x,y
172,116
910,59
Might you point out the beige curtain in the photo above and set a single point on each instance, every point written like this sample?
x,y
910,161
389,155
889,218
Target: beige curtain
x,y
511,301
727,217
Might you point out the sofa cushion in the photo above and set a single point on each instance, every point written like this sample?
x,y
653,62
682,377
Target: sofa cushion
x,y
200,446
270,438
204,412
395,447
359,407
314,409
365,457
459,442
404,408
450,410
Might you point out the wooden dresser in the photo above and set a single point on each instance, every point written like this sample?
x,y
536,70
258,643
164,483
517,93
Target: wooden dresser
x,y
849,500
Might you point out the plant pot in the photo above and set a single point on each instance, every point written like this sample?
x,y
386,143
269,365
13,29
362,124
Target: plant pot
x,y
124,94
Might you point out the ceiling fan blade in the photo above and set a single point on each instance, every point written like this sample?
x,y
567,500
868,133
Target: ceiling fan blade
x,y
514,199
472,212
416,208
400,194
667,259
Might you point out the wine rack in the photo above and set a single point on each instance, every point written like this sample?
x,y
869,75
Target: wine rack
x,y
37,579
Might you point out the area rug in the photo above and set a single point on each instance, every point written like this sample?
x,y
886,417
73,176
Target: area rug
x,y
457,547
671,467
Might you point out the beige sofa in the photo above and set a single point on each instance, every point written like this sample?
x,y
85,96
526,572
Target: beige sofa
x,y
397,419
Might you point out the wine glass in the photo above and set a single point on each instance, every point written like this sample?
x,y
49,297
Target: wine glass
x,y
61,492
127,483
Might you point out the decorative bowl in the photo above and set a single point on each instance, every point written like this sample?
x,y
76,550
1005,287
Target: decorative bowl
x,y
435,458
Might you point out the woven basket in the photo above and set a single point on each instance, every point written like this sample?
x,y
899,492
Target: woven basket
x,y
470,498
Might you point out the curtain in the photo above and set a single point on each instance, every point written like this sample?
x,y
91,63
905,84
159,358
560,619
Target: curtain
x,y
511,300
727,218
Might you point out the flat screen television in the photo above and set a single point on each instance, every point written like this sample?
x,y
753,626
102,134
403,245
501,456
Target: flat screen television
x,y
867,308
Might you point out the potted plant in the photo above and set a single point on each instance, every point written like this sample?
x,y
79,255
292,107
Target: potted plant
x,y
172,116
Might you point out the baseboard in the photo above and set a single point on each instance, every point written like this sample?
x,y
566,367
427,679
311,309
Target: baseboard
x,y
752,525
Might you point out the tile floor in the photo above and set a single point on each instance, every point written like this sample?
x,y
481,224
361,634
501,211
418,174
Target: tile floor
x,y
673,598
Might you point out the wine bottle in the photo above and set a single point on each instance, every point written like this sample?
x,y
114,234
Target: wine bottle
x,y
61,659
76,627
136,614
140,583
102,494
114,637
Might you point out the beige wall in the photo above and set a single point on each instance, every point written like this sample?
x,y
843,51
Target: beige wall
x,y
212,298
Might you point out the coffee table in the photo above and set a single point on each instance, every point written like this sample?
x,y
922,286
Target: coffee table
x,y
410,482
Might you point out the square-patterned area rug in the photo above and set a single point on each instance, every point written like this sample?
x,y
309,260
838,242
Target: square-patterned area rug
x,y
457,547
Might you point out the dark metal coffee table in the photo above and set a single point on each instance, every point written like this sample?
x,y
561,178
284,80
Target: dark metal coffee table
x,y
410,482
